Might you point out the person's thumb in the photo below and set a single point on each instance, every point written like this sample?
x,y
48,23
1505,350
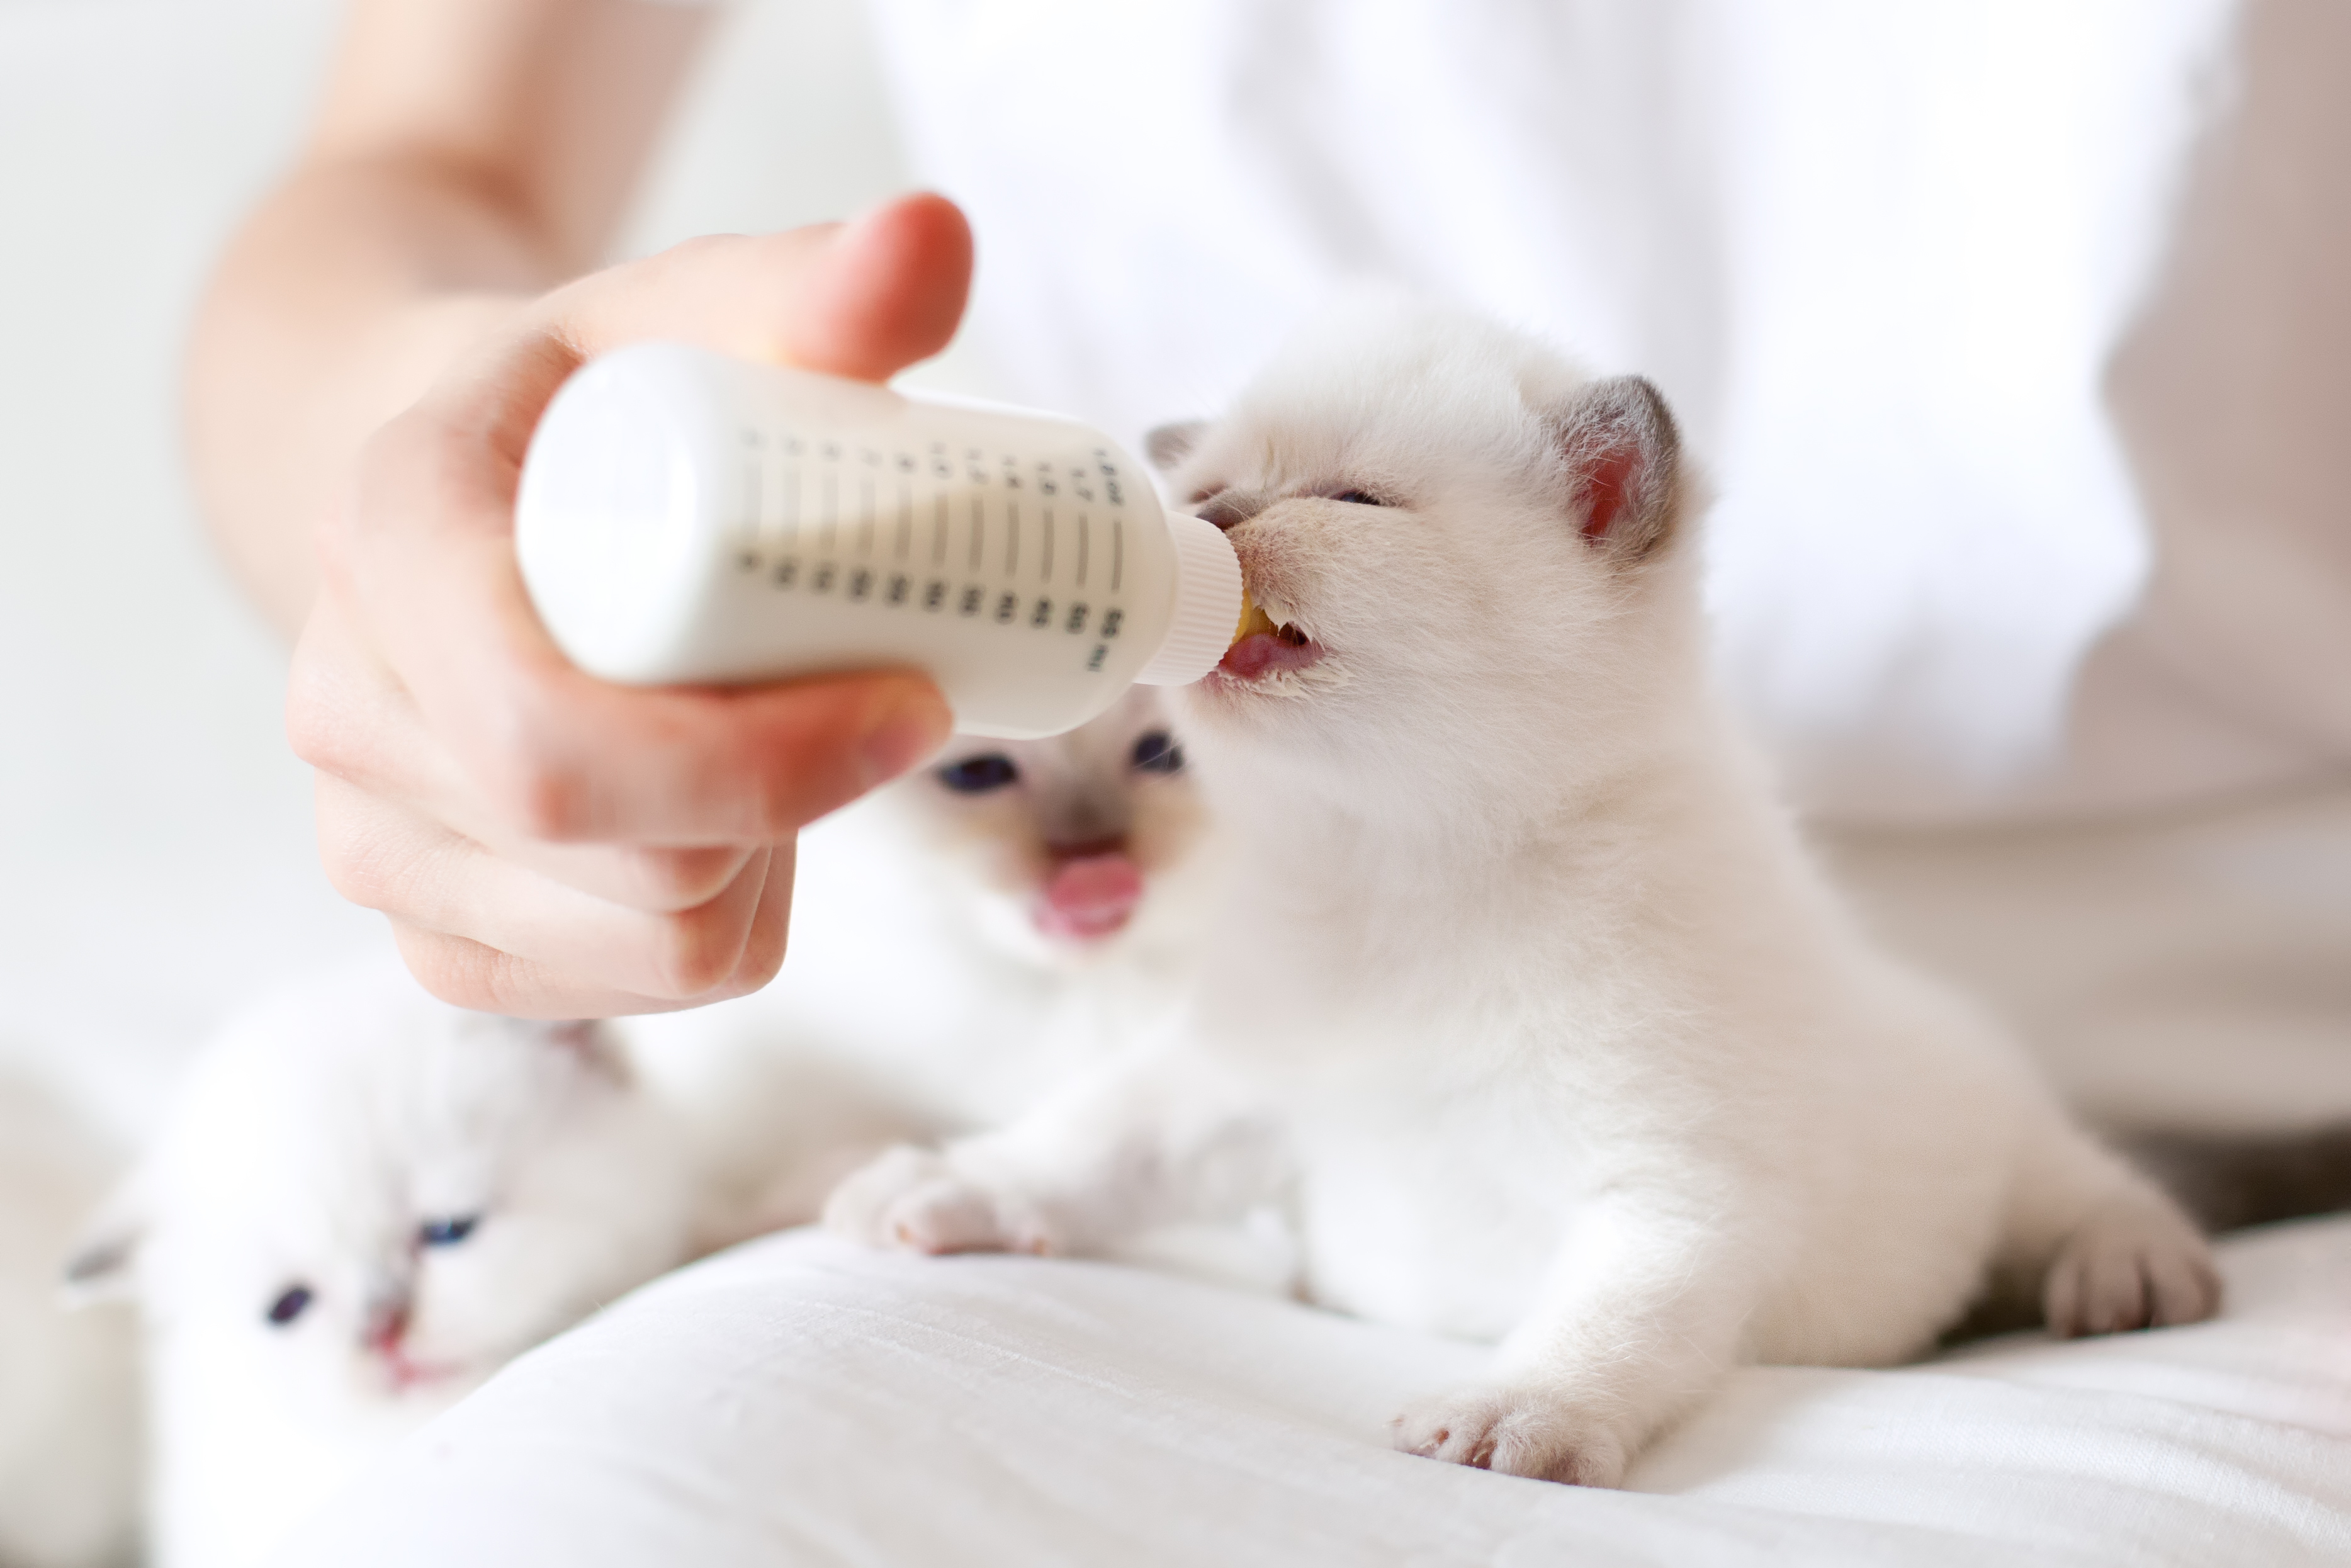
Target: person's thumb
x,y
863,298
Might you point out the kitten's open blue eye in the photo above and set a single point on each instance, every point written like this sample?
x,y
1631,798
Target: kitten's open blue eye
x,y
291,1303
1359,498
978,775
446,1232
1156,752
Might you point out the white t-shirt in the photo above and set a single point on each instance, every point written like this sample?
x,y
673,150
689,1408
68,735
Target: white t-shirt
x,y
1960,305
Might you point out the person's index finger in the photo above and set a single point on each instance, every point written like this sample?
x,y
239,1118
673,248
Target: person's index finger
x,y
562,755
685,766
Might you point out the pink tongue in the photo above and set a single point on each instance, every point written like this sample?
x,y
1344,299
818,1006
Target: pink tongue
x,y
1260,654
1091,896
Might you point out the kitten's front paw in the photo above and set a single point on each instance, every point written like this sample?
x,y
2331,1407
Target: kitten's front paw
x,y
916,1200
2132,1265
1514,1430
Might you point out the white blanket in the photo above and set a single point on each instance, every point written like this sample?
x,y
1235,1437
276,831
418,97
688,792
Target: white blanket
x,y
797,1401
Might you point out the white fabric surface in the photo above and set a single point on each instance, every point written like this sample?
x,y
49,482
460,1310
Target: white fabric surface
x,y
798,1401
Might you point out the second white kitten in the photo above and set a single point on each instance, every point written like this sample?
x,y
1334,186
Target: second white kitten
x,y
964,943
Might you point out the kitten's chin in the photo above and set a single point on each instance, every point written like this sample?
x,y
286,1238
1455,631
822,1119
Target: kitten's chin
x,y
1260,685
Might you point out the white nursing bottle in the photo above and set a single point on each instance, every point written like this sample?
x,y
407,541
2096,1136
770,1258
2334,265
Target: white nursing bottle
x,y
685,516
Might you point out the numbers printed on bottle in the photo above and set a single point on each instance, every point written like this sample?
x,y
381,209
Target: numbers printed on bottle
x,y
843,523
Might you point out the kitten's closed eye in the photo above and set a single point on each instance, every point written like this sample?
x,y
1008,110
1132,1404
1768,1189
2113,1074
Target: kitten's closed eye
x,y
1156,752
446,1232
291,1303
978,775
1359,498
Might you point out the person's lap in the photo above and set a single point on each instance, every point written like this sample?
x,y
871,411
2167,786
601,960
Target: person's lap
x,y
797,1400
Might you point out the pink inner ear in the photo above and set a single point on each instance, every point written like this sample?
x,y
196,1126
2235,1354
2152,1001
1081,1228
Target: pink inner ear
x,y
1608,486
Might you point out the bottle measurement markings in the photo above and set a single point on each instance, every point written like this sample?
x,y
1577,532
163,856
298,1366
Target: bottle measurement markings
x,y
773,515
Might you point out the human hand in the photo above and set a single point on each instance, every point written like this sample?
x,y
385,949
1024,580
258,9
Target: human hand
x,y
546,844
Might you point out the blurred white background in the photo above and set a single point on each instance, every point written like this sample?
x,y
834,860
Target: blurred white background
x,y
156,863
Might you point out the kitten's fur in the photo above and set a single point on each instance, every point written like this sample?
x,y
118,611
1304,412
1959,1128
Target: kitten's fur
x,y
315,1141
957,955
1527,993
69,1395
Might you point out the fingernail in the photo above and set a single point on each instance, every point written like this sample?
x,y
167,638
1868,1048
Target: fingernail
x,y
910,733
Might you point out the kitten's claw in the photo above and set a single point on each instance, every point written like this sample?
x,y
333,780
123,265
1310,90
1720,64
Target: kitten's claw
x,y
2130,1266
914,1200
1513,1430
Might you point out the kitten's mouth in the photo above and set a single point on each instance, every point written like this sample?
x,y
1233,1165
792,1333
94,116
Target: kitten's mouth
x,y
1265,647
407,1375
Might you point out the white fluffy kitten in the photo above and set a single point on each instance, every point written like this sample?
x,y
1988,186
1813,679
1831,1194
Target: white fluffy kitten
x,y
1527,994
963,943
68,1393
366,1202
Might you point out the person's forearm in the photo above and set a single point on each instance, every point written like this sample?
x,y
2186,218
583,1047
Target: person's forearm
x,y
470,154
344,295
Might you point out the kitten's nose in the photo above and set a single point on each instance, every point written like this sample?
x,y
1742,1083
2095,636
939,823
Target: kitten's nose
x,y
1086,821
387,1323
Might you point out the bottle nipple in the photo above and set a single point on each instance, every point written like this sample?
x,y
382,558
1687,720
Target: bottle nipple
x,y
1252,619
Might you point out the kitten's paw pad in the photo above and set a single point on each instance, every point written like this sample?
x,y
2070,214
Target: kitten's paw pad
x,y
1513,1431
913,1200
2133,1265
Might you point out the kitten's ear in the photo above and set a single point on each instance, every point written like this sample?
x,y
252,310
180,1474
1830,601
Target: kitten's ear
x,y
103,1265
1624,453
1171,443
